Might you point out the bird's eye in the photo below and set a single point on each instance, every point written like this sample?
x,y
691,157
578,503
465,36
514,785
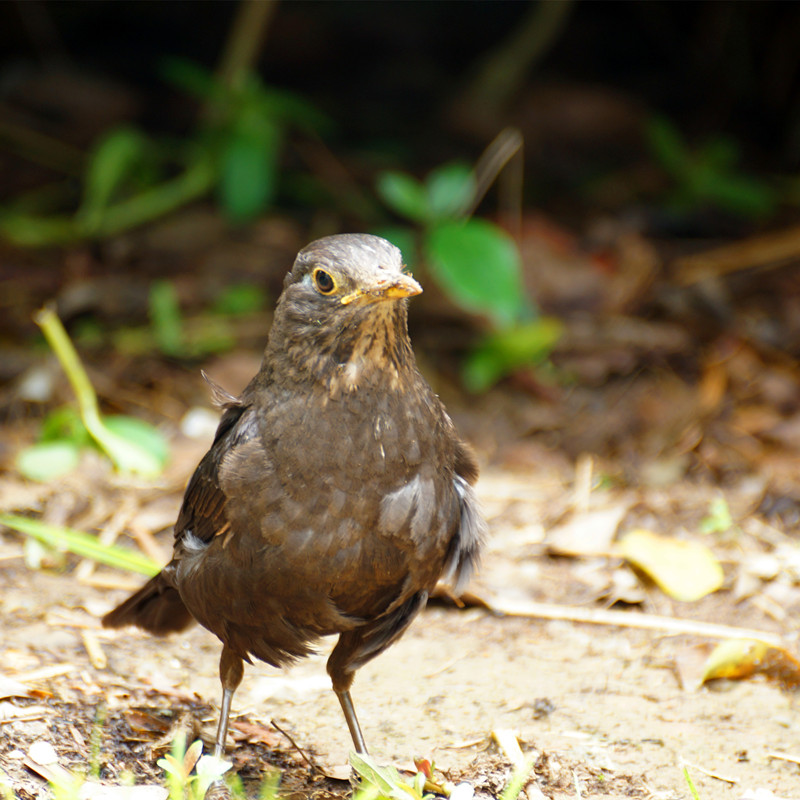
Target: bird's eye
x,y
324,281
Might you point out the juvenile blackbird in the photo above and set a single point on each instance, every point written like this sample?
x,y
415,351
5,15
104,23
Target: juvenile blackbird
x,y
336,492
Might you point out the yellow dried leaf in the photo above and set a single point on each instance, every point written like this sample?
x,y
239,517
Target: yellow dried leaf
x,y
734,658
741,658
684,570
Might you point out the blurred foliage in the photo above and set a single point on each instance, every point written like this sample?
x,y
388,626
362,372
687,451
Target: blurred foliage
x,y
130,177
503,352
719,519
234,151
189,774
244,131
476,263
708,175
202,334
132,444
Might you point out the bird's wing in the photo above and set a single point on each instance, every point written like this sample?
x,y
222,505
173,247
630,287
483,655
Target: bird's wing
x,y
202,514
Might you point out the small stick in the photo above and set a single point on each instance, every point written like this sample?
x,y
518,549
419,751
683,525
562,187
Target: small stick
x,y
296,747
785,757
627,619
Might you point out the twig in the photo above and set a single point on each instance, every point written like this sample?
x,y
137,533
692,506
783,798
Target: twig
x,y
494,158
44,673
94,650
148,544
709,772
503,71
770,249
627,619
785,757
108,536
39,147
296,747
245,40
582,488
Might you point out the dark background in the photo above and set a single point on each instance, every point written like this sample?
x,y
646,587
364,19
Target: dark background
x,y
391,75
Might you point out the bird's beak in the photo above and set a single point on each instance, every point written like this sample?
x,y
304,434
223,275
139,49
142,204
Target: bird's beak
x,y
386,289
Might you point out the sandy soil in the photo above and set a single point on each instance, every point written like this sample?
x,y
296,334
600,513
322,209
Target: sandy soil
x,y
606,711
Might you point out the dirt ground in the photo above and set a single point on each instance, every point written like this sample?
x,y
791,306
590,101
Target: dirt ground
x,y
605,711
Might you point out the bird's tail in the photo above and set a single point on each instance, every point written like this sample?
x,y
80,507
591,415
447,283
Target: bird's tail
x,y
157,607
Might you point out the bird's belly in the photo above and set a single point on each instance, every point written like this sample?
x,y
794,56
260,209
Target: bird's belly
x,y
313,568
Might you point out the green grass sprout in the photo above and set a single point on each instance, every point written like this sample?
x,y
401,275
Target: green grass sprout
x,y
138,449
81,544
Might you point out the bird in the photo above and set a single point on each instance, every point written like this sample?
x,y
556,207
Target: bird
x,y
336,493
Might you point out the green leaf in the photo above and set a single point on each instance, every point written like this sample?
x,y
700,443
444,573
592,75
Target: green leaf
x,y
30,230
165,317
451,190
721,153
82,544
668,146
64,424
719,519
114,159
239,299
292,109
249,170
742,195
690,783
478,265
128,455
143,435
190,77
385,779
507,350
404,194
47,460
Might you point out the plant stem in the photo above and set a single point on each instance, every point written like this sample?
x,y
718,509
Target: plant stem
x,y
126,455
244,41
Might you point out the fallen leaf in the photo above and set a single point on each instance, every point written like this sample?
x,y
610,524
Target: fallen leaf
x,y
588,534
252,732
684,570
740,658
11,688
144,722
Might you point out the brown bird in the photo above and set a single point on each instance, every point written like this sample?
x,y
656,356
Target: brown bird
x,y
336,493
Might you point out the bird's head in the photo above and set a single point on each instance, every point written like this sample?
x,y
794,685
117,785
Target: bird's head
x,y
343,299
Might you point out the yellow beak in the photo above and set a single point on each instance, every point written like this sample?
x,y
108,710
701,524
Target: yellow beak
x,y
386,289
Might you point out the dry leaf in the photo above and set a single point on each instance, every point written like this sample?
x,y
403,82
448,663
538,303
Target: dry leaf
x,y
252,732
11,688
588,534
685,570
740,658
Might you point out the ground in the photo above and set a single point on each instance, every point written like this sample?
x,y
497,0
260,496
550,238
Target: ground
x,y
654,416
604,711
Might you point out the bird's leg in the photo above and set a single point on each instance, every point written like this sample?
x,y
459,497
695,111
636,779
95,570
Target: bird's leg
x,y
231,670
342,673
352,720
